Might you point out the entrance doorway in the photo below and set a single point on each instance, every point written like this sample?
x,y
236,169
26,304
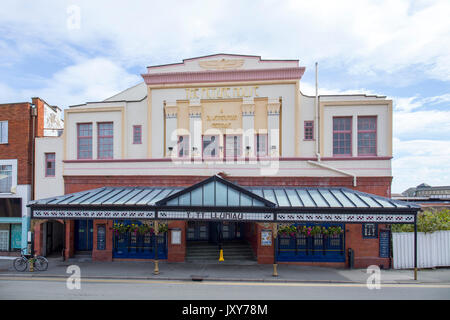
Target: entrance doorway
x,y
205,238
53,240
84,230
215,231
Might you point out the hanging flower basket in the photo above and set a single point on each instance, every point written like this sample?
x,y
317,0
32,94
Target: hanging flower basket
x,y
334,231
120,228
145,228
163,228
287,230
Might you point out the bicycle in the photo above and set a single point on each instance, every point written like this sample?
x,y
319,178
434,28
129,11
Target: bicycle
x,y
21,263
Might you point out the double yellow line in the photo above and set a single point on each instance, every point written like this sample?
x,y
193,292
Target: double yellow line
x,y
229,283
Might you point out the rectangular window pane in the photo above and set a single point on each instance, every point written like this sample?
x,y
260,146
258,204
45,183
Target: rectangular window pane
x,y
309,130
367,136
3,131
210,146
5,178
233,146
49,164
137,134
183,146
261,145
342,136
105,140
84,141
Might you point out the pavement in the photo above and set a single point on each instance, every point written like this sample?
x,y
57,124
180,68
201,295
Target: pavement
x,y
224,272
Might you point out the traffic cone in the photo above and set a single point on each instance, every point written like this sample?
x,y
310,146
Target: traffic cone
x,y
221,255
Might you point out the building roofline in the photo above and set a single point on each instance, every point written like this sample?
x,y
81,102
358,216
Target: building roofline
x,y
221,54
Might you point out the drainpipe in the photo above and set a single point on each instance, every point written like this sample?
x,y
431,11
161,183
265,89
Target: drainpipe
x,y
322,165
33,135
319,162
316,110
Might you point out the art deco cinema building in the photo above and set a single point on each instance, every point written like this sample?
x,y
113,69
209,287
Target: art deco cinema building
x,y
222,150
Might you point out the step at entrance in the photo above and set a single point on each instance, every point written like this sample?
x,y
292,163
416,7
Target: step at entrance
x,y
82,256
233,252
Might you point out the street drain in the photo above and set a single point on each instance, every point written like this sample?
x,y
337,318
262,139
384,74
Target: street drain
x,y
197,278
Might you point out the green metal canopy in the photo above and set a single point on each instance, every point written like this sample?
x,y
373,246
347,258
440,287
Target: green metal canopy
x,y
216,198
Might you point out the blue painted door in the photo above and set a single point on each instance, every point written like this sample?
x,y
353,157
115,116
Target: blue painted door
x,y
84,231
16,236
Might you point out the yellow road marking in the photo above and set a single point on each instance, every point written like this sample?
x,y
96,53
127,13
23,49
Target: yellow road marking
x,y
232,283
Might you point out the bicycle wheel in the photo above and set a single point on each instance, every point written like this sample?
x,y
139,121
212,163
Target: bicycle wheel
x,y
20,264
41,263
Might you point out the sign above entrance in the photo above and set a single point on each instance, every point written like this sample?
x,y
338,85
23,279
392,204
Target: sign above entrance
x,y
221,92
224,216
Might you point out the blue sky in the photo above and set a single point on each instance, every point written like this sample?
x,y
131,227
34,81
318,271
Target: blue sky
x,y
70,52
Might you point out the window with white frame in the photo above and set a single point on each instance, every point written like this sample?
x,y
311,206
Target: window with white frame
x,y
6,178
105,140
261,145
210,146
84,140
183,146
233,146
3,131
50,164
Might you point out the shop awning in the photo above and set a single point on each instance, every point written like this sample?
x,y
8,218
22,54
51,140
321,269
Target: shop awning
x,y
219,199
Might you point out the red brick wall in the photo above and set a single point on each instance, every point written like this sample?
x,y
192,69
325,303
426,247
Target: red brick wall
x,y
19,138
366,251
177,252
265,254
69,249
19,144
375,185
103,255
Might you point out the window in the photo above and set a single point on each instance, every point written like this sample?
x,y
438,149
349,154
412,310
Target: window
x,y
183,146
261,145
3,131
367,136
105,140
233,146
370,230
342,136
210,146
309,130
137,134
5,178
84,141
49,164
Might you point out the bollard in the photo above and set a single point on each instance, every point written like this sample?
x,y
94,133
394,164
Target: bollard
x,y
156,271
275,273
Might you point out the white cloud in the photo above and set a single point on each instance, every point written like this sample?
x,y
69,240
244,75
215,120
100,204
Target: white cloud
x,y
365,37
88,80
418,161
425,124
412,103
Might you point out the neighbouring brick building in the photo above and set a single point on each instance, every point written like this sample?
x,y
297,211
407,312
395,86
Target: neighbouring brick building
x,y
223,149
20,123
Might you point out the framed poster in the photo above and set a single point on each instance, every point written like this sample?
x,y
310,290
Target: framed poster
x,y
266,237
101,237
175,236
385,237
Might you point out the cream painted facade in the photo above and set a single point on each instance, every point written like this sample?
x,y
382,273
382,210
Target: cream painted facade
x,y
236,95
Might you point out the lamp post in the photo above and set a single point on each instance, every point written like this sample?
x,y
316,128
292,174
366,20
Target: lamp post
x,y
156,270
275,233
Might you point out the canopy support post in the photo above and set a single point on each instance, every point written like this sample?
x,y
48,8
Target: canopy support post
x,y
415,247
